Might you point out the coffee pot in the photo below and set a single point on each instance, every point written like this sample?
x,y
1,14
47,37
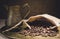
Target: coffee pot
x,y
15,13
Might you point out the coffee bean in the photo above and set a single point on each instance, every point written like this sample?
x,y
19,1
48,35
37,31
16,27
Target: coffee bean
x,y
39,31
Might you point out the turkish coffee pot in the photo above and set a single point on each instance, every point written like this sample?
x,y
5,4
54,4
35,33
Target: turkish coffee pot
x,y
15,13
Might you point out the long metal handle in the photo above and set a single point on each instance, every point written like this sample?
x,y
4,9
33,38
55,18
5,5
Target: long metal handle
x,y
26,5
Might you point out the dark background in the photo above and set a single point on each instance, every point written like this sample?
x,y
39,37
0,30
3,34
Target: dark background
x,y
37,7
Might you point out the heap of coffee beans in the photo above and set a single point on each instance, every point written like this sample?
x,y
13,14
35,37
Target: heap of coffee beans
x,y
40,27
39,31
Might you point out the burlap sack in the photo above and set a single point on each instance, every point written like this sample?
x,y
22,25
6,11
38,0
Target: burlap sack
x,y
55,21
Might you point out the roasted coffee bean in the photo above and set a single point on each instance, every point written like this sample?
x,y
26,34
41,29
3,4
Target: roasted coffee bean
x,y
39,31
44,34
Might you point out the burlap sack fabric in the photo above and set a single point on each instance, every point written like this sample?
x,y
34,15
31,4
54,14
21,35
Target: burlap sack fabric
x,y
55,21
52,19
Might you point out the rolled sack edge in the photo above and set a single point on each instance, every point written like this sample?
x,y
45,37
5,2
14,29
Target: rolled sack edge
x,y
52,19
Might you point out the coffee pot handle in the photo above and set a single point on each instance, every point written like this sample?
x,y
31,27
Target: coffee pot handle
x,y
26,5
